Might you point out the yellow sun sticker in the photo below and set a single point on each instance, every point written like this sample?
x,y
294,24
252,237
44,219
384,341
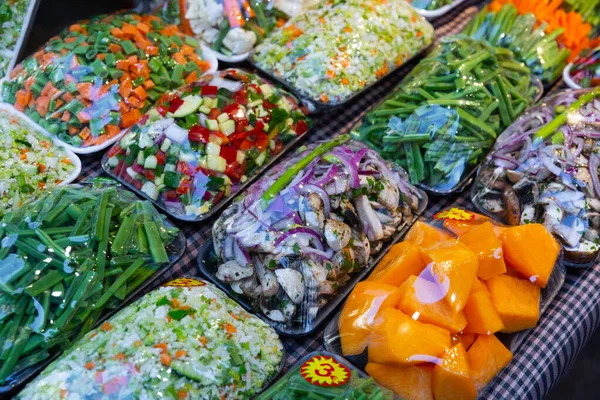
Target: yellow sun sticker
x,y
185,282
456,214
324,371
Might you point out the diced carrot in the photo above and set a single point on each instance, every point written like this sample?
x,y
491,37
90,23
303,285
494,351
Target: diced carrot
x,y
324,98
41,105
140,93
84,90
123,107
203,65
132,59
161,346
89,365
182,394
99,140
72,130
130,118
116,32
68,97
119,357
175,303
105,327
142,27
123,65
112,130
41,167
148,84
187,49
134,101
28,82
23,98
169,30
125,89
64,393
166,359
85,133
114,48
129,31
229,328
203,340
180,353
66,116
70,39
179,58
142,43
75,28
83,117
152,50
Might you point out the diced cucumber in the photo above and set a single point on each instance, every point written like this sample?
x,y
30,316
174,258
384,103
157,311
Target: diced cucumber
x,y
212,124
187,157
151,162
241,156
140,158
113,162
208,102
165,145
189,210
145,141
222,118
159,181
153,114
127,140
227,127
266,90
216,163
205,110
150,189
213,149
190,104
170,167
255,103
260,160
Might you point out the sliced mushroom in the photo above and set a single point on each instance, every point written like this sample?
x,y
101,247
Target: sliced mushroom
x,y
361,247
371,224
389,196
586,252
514,176
250,287
279,315
267,279
593,204
337,234
512,206
231,271
312,210
349,212
292,283
594,220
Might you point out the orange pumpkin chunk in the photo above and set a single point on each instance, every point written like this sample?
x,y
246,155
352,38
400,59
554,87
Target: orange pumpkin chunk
x,y
356,319
517,302
487,356
484,242
460,227
466,339
412,382
398,339
416,300
425,235
454,266
452,377
531,250
402,261
481,315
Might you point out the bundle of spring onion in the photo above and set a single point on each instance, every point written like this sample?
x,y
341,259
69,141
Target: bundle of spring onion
x,y
524,37
65,259
324,376
445,115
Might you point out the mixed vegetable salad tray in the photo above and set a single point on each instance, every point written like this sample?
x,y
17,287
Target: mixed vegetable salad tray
x,y
294,244
329,54
449,305
544,169
31,161
203,144
442,119
584,72
67,261
16,18
184,340
100,76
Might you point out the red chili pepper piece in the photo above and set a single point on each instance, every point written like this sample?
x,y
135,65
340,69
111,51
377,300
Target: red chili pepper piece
x,y
229,153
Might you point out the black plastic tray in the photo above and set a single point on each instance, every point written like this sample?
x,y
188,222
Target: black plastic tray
x,y
208,264
235,190
331,334
175,251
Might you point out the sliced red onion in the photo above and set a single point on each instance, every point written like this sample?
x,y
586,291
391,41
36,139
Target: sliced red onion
x,y
351,168
240,255
549,162
287,222
260,221
579,143
319,253
327,177
137,168
593,167
368,172
300,232
505,162
357,158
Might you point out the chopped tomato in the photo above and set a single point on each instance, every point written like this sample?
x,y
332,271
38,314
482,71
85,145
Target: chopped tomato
x,y
209,90
234,171
149,174
231,108
278,147
199,134
161,157
175,104
268,105
229,153
301,127
184,186
162,110
218,197
170,195
184,168
241,96
214,113
255,87
262,141
116,149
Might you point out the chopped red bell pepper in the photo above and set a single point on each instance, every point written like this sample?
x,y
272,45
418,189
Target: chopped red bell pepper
x,y
229,109
241,96
214,113
218,197
199,134
301,127
229,153
162,110
116,149
161,157
170,195
209,90
262,141
184,168
234,171
268,105
149,174
184,186
176,102
255,87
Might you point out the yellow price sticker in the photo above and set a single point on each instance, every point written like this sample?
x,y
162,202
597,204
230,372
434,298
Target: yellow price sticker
x,y
456,214
185,282
324,371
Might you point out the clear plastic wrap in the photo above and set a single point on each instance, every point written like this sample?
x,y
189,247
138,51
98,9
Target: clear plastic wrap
x,y
441,313
184,340
203,143
306,228
233,27
325,375
544,168
100,76
32,162
442,119
16,18
330,53
68,258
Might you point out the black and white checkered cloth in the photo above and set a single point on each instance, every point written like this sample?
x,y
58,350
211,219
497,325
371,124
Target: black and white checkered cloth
x,y
550,348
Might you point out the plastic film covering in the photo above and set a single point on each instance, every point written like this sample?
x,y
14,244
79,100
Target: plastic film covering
x,y
202,143
100,76
15,19
436,317
330,53
66,259
442,119
184,340
301,232
544,169
325,375
584,72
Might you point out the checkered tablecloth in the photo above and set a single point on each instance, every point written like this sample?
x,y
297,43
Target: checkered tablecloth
x,y
548,351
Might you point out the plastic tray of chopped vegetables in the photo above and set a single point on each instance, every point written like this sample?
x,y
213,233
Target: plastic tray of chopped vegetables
x,y
184,340
329,54
16,18
544,168
442,119
324,375
66,261
431,9
205,143
294,243
443,312
31,161
100,76
584,72
231,28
